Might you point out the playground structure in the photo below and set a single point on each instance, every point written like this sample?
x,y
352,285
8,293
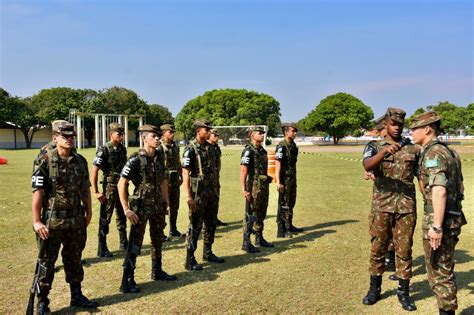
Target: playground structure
x,y
102,122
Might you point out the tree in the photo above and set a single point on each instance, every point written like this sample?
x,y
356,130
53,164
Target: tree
x,y
338,115
227,107
453,118
21,113
470,119
158,115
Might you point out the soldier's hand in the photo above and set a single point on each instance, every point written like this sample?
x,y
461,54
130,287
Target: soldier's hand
x,y
435,238
392,149
192,204
281,188
132,216
247,196
41,230
369,175
100,196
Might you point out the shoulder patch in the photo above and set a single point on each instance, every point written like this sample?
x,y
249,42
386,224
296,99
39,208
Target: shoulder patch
x,y
432,162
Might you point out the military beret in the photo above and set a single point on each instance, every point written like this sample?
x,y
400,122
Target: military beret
x,y
379,123
116,127
166,127
149,128
255,129
292,125
63,127
424,119
215,132
202,123
396,114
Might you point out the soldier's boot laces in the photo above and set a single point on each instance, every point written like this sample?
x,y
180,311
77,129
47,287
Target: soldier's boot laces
x,y
157,272
123,240
79,299
374,291
249,248
208,255
103,251
43,305
443,312
403,293
390,261
128,282
260,241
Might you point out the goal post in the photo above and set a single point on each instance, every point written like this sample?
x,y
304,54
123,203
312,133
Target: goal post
x,y
237,135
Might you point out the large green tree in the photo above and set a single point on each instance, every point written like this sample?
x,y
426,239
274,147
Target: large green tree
x,y
338,115
158,115
230,107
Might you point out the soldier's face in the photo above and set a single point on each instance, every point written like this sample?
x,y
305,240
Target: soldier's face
x,y
64,141
419,134
258,136
291,133
203,133
394,129
213,138
116,137
168,135
151,139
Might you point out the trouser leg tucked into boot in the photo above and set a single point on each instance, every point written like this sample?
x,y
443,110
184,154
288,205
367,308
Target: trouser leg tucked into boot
x,y
128,281
173,229
123,240
78,299
260,241
157,272
191,264
374,291
208,255
293,228
403,294
102,250
248,246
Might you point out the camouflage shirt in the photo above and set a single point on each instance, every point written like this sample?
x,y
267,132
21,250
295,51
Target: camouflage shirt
x,y
287,154
191,161
111,161
146,173
256,160
170,153
394,191
216,156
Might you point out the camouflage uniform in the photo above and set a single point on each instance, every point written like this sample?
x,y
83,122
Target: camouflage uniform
x,y
439,165
215,156
287,154
111,160
393,213
170,152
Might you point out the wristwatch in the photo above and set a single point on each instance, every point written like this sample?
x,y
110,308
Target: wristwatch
x,y
437,230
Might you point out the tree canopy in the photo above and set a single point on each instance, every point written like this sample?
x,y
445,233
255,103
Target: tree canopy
x,y
338,115
230,107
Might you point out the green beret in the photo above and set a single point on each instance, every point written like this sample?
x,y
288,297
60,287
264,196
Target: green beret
x,y
424,119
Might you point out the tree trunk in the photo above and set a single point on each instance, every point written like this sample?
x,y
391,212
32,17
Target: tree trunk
x,y
27,138
335,139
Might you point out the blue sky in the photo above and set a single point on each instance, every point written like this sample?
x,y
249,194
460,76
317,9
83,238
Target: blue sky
x,y
387,53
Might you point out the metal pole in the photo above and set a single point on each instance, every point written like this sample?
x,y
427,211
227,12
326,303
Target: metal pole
x,y
79,132
104,130
96,131
126,131
140,123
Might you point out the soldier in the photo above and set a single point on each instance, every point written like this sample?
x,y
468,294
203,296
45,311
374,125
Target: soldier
x,y
198,179
110,159
393,161
443,191
285,172
254,182
170,151
149,201
213,140
60,185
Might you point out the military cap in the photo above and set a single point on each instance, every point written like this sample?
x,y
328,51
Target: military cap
x,y
379,123
202,123
424,119
63,127
166,127
292,125
116,127
215,132
396,114
255,129
149,128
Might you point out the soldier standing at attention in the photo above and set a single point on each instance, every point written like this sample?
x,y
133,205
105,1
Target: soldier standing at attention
x,y
198,179
149,201
393,161
110,159
61,186
286,157
443,191
254,181
169,149
213,140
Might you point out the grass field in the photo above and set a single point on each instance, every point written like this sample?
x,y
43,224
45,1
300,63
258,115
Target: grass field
x,y
322,270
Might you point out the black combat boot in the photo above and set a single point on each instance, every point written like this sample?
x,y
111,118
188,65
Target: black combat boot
x,y
193,265
128,281
78,299
282,232
208,255
157,272
374,292
443,312
103,251
403,293
123,240
260,241
248,247
293,228
390,261
174,233
43,303
220,223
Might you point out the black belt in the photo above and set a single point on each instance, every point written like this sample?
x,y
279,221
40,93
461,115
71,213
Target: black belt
x,y
63,214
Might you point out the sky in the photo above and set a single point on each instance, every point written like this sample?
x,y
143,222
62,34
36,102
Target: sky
x,y
405,54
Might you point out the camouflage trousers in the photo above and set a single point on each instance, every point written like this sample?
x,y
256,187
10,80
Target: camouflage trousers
x,y
288,198
137,233
441,270
384,227
71,233
107,209
173,193
259,207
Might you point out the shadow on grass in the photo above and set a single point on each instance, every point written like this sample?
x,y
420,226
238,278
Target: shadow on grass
x,y
211,273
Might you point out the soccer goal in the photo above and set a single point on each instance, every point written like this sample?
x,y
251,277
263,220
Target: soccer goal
x,y
237,135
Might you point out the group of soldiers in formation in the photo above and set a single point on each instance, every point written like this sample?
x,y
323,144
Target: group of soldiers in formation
x,y
61,202
392,163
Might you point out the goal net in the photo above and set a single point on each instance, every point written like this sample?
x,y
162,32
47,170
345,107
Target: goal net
x,y
236,135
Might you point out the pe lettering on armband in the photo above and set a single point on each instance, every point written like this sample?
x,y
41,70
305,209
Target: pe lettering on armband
x,y
37,181
97,161
279,154
126,171
245,158
186,161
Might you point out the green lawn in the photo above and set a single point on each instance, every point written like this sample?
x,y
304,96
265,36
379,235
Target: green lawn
x,y
323,270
